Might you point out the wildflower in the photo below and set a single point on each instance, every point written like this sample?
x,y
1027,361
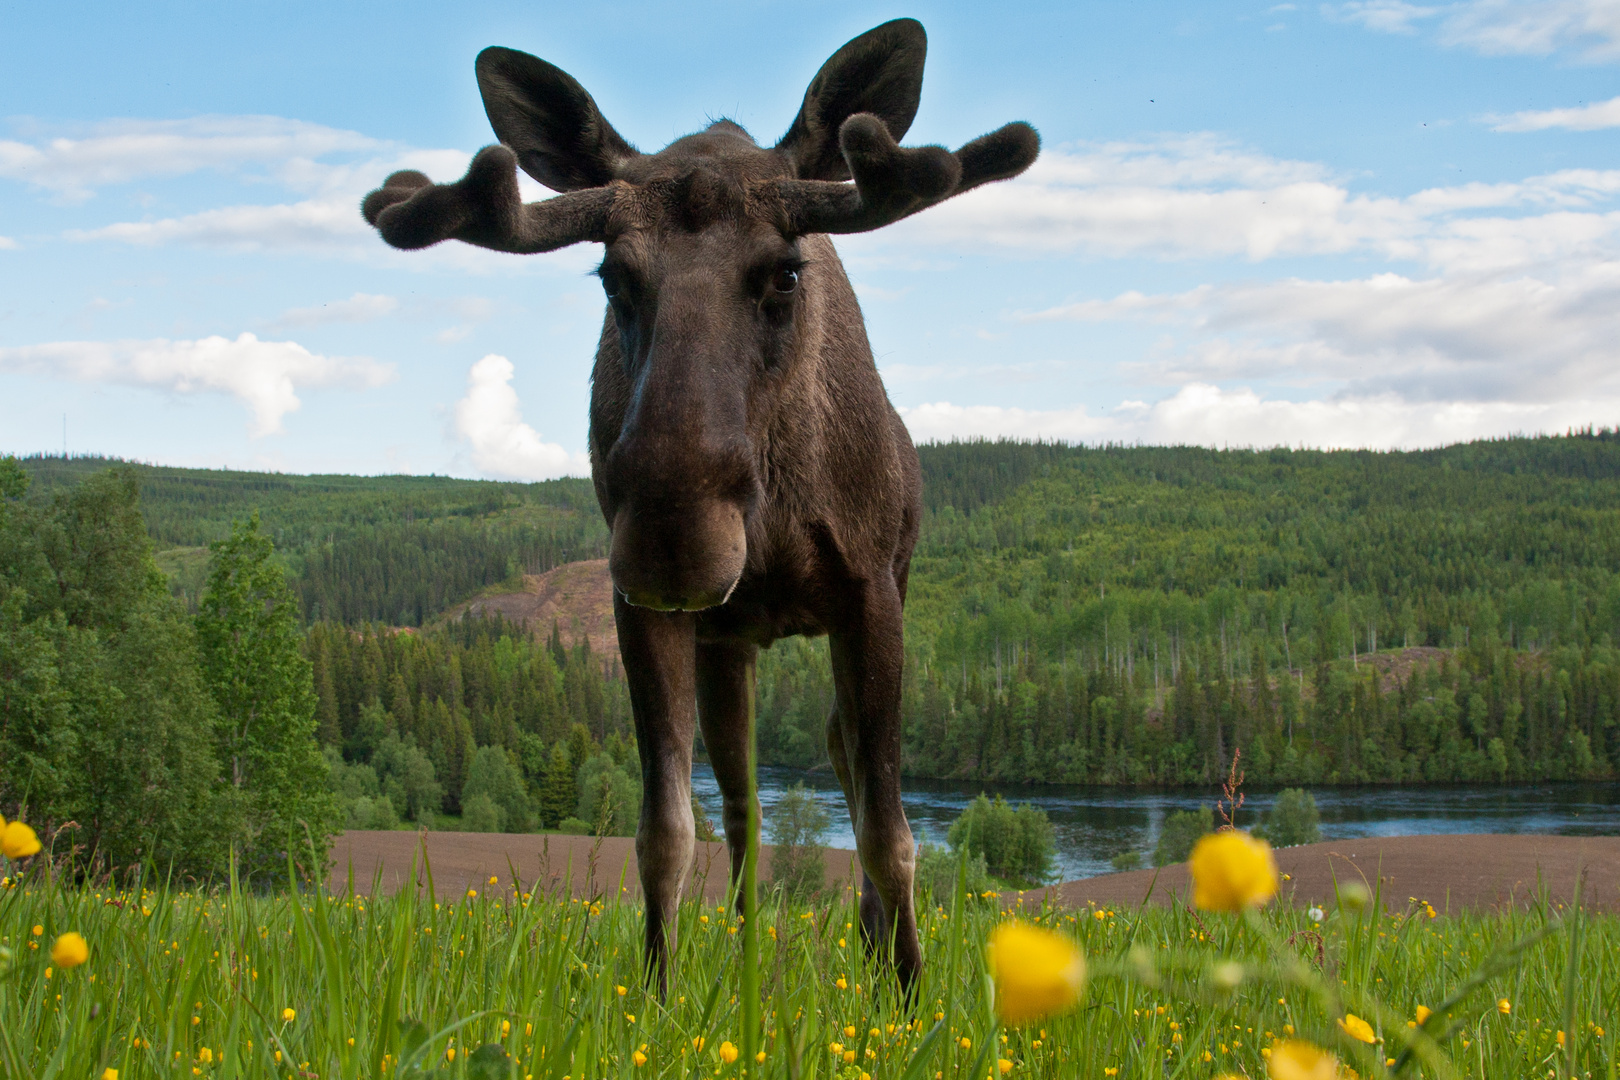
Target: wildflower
x,y
288,1016
206,1056
1316,913
842,984
849,1031
494,880
109,1074
835,1048
1423,1014
506,1027
623,990
450,1054
472,894
728,1052
17,840
70,950
1231,871
965,1043
639,1058
1037,972
697,1043
1295,1060
1560,1039
1357,1028
760,1057
1004,1065
1504,1006
38,930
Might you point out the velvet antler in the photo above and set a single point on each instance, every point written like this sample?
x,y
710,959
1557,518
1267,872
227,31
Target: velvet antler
x,y
484,208
892,182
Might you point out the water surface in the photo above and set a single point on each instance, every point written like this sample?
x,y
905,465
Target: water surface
x,y
1093,824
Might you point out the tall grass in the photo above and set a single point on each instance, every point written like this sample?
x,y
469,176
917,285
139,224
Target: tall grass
x,y
183,983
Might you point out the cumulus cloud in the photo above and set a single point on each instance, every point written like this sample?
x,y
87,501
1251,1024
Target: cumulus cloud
x,y
1201,197
359,308
1500,27
266,376
1206,415
490,420
120,151
1593,117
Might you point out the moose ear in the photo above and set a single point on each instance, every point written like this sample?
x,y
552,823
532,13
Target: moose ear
x,y
539,110
880,73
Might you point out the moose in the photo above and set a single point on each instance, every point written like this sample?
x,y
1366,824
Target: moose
x,y
755,478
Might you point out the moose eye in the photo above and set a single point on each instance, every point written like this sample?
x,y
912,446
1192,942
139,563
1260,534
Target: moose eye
x,y
785,280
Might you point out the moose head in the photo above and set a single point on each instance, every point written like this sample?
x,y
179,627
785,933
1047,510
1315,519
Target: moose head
x,y
707,277
756,480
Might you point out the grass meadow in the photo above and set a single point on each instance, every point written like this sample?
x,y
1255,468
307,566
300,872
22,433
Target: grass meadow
x,y
305,985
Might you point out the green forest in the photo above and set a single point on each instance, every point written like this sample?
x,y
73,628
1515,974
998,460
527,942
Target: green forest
x,y
1109,615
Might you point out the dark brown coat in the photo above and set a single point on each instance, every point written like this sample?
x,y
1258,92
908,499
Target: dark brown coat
x,y
756,480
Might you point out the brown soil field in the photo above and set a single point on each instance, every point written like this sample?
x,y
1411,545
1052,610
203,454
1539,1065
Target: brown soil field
x,y
1477,872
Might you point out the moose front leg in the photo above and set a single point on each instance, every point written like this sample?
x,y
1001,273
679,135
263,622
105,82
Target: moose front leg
x,y
658,651
864,741
724,684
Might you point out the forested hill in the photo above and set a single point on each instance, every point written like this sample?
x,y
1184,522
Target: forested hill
x,y
393,549
1114,614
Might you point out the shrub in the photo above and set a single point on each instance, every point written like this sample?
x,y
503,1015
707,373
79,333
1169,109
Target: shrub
x,y
1181,831
574,826
1017,845
480,814
609,799
1293,820
936,875
407,778
702,826
1127,860
798,827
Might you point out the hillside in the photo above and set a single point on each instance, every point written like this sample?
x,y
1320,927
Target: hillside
x,y
1114,614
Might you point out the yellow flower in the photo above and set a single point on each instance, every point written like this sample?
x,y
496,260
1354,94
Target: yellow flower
x,y
109,1074
697,1043
1560,1038
760,1057
1504,1006
288,1015
494,881
18,840
835,1048
450,1054
639,1058
70,950
849,1031
1423,1014
842,983
966,1043
1357,1028
38,930
1231,870
205,1055
1037,972
506,1027
472,894
1004,1065
623,990
1295,1060
728,1052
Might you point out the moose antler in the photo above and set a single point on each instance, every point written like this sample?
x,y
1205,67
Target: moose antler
x,y
484,208
893,182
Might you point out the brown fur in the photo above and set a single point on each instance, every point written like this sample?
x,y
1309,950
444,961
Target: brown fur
x,y
757,482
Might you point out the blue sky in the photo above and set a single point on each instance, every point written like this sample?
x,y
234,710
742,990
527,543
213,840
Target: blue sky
x,y
1353,224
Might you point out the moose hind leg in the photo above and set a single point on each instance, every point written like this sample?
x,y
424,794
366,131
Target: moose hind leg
x,y
658,664
866,657
724,683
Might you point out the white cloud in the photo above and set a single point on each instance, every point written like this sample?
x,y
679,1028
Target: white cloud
x,y
1199,197
1206,415
359,308
264,375
1593,117
1500,27
490,419
7,244
119,151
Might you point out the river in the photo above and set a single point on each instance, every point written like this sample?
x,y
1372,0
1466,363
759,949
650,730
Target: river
x,y
1093,824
